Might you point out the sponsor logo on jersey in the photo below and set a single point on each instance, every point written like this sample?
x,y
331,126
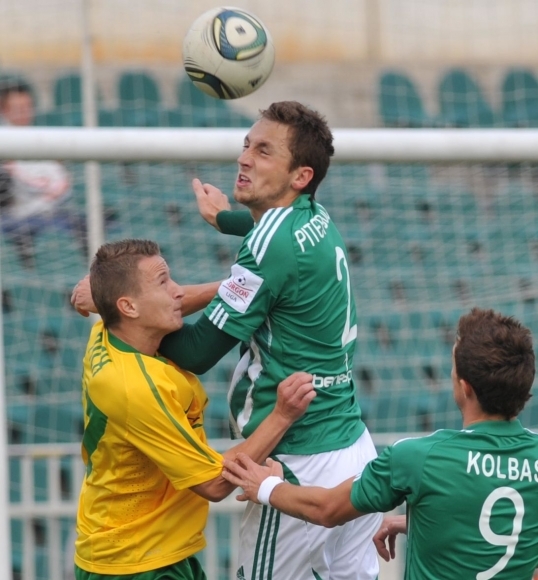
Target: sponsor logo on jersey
x,y
326,382
239,290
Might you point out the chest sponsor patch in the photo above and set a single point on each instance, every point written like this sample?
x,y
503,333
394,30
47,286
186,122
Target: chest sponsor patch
x,y
239,290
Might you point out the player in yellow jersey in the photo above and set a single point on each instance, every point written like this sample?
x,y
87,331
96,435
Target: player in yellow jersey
x,y
149,470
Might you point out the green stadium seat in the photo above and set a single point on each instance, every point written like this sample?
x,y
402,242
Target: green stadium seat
x,y
139,100
16,545
400,104
462,103
56,423
206,111
445,412
68,100
138,88
520,99
399,411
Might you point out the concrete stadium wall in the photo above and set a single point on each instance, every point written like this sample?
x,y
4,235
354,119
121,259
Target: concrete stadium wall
x,y
387,31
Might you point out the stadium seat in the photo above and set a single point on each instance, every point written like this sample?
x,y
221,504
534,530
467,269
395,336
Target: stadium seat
x,y
68,110
400,103
520,99
57,423
139,100
206,111
399,411
461,102
445,412
68,100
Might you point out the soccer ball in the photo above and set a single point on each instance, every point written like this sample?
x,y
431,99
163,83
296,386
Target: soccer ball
x,y
228,53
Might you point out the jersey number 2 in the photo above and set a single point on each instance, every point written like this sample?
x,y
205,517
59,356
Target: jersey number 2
x,y
491,537
350,332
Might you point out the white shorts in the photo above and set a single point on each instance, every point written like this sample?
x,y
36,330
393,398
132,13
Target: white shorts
x,y
274,546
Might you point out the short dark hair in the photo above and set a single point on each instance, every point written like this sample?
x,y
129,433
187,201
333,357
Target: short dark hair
x,y
310,140
8,86
114,273
494,354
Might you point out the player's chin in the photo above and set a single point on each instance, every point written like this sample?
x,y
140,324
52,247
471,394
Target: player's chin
x,y
242,194
176,323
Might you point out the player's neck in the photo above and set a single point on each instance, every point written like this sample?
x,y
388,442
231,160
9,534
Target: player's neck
x,y
477,415
138,338
258,210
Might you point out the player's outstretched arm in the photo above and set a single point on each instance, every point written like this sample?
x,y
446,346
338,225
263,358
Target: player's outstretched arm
x,y
197,297
317,505
294,394
390,528
210,201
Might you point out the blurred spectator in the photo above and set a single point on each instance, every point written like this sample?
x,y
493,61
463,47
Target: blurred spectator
x,y
32,193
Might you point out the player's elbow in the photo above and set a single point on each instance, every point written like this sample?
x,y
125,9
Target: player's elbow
x,y
326,518
217,495
330,514
214,490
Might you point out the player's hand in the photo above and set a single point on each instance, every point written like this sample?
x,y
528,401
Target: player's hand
x,y
390,528
248,475
294,394
210,201
81,297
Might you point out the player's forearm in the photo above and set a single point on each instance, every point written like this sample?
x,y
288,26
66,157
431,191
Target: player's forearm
x,y
264,439
235,223
305,503
317,505
258,447
198,296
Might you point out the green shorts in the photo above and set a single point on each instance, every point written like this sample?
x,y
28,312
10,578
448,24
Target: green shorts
x,y
188,569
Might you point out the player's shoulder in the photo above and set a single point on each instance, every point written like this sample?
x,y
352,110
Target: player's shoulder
x,y
272,231
283,230
423,444
176,374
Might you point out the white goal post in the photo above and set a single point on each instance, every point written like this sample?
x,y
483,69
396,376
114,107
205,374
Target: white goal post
x,y
358,145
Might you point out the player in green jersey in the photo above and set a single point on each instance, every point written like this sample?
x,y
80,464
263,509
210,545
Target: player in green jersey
x,y
149,469
289,300
471,495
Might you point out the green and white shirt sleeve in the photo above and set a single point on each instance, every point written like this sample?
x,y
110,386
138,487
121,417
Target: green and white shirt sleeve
x,y
257,280
389,480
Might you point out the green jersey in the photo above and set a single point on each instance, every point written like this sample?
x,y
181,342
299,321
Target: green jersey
x,y
289,298
472,501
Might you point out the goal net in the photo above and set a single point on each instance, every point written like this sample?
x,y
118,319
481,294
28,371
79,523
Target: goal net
x,y
425,244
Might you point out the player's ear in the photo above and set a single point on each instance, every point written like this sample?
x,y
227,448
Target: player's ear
x,y
467,390
127,307
303,176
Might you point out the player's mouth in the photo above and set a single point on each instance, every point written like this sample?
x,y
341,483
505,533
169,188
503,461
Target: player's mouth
x,y
242,180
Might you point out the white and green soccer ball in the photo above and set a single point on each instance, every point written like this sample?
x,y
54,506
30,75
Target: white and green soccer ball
x,y
228,53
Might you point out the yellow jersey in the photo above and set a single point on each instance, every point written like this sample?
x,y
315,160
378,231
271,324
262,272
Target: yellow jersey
x,y
144,446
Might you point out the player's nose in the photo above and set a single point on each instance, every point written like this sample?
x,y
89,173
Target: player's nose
x,y
179,291
245,158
